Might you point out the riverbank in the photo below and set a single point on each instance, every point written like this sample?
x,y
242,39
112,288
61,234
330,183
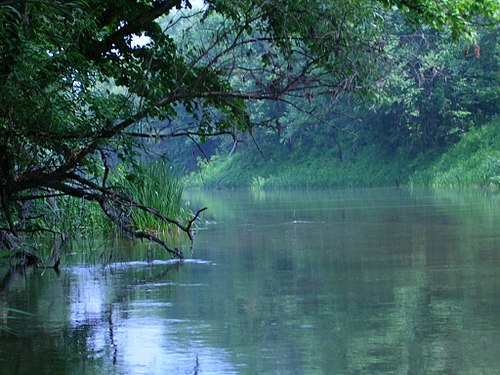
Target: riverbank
x,y
475,160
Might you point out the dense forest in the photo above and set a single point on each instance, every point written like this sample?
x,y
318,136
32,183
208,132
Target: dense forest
x,y
103,101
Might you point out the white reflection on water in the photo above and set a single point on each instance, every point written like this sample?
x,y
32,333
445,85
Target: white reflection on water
x,y
159,263
130,333
86,296
152,346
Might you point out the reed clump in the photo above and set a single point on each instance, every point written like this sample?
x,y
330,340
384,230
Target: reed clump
x,y
154,184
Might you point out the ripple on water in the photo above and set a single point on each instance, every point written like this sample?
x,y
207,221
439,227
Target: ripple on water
x,y
142,263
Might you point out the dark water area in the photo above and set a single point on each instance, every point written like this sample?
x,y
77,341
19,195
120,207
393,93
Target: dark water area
x,y
376,281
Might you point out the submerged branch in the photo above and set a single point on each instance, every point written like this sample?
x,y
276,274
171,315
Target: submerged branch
x,y
138,234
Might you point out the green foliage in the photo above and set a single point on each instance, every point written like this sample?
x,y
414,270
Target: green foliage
x,y
454,15
79,218
434,93
431,98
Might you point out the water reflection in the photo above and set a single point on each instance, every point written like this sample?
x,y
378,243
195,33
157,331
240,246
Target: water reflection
x,y
373,281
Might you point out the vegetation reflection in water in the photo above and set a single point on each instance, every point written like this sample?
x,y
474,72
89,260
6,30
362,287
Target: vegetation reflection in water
x,y
368,281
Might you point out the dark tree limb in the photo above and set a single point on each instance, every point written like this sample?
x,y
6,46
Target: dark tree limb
x,y
6,211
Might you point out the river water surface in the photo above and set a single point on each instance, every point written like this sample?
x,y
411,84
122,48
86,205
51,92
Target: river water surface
x,y
378,281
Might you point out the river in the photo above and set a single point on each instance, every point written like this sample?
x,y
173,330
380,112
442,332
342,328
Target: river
x,y
373,281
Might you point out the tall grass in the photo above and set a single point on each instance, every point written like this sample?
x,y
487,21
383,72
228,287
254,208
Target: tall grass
x,y
149,183
153,184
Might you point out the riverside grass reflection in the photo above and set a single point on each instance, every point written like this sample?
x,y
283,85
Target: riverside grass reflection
x,y
373,281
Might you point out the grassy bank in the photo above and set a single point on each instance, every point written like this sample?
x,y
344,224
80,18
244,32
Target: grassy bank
x,y
475,160
309,173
